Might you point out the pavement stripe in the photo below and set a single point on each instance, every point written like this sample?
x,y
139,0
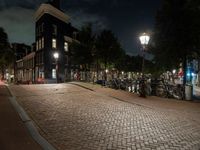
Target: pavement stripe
x,y
30,126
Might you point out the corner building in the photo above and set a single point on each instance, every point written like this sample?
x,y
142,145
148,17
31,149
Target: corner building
x,y
53,33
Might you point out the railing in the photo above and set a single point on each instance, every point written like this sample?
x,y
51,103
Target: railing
x,y
158,88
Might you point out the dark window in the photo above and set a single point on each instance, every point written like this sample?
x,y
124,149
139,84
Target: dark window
x,y
54,29
42,27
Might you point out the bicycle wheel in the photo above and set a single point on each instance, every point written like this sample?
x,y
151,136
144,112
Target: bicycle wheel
x,y
160,92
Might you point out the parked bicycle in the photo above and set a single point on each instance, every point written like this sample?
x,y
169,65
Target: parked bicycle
x,y
146,87
164,89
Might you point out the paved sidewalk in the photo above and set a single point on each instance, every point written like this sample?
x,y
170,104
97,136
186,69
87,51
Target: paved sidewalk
x,y
74,118
190,109
14,135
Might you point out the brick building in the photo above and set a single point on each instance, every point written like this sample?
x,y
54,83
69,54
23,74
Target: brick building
x,y
54,33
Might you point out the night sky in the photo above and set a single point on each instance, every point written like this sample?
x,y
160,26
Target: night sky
x,y
126,18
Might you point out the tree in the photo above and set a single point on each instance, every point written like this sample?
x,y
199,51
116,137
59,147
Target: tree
x,y
177,33
6,53
82,50
102,49
132,63
109,49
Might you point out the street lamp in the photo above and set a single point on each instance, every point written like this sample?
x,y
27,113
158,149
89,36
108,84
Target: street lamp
x,y
144,40
56,57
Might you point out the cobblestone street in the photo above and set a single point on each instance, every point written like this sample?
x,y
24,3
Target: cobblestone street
x,y
71,117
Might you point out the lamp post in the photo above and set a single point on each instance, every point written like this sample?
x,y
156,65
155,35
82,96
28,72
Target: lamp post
x,y
56,56
144,40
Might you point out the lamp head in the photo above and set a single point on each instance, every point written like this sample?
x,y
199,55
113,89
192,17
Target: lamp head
x,y
144,39
56,55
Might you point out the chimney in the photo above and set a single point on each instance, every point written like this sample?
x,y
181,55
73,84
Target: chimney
x,y
56,3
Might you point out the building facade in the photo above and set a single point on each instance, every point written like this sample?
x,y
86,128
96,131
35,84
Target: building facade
x,y
19,71
21,52
54,33
24,68
29,68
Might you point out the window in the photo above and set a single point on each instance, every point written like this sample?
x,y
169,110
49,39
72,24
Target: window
x,y
37,46
39,30
36,61
74,35
38,58
53,43
42,42
33,61
54,73
54,29
66,60
42,27
42,57
66,46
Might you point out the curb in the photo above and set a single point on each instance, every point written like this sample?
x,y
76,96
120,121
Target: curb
x,y
29,124
118,99
81,86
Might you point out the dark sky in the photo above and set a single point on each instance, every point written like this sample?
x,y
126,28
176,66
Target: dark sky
x,y
126,18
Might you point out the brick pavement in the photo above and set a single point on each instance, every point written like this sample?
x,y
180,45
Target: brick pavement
x,y
190,109
74,118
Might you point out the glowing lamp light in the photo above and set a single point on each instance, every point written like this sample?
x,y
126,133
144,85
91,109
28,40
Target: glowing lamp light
x,y
188,74
193,74
56,55
106,70
174,71
144,39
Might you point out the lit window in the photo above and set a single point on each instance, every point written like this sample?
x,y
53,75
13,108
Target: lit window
x,y
54,43
54,73
66,46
